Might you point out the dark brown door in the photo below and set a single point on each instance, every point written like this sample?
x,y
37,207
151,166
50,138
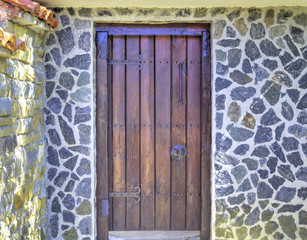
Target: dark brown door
x,y
154,136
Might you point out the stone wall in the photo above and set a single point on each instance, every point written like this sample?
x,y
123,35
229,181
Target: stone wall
x,y
22,167
259,147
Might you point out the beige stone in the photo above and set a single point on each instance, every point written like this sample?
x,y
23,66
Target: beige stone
x,y
241,26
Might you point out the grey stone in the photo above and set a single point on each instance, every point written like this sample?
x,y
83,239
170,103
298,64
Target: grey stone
x,y
241,149
242,93
291,45
68,216
62,94
219,27
66,39
303,233
220,205
55,52
82,24
282,78
234,57
49,88
303,82
55,205
246,66
221,69
263,173
83,79
54,225
60,178
54,137
261,73
295,159
71,163
69,201
252,51
276,181
290,143
74,177
251,198
80,149
55,105
304,147
85,12
288,225
84,133
257,31
277,150
50,71
233,212
301,174
254,14
81,95
241,233
218,11
226,159
283,16
239,221
232,43
71,11
266,215
304,52
70,234
64,20
285,58
82,115
84,208
234,112
239,173
270,64
263,203
50,191
246,208
239,134
236,200
285,171
255,231
85,41
272,163
302,117
83,189
67,80
278,131
67,131
222,142
277,31
200,12
298,130
224,191
220,102
301,19
234,14
221,219
219,120
85,226
250,163
303,217
70,186
302,193
261,151
302,103
84,168
285,194
253,217
271,92
297,35
82,61
240,77
64,153
245,186
269,49
270,227
257,107
221,83
230,32
264,191
52,156
50,40
67,112
263,134
183,12
269,118
295,68
290,208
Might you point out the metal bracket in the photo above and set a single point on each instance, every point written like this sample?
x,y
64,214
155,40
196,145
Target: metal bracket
x,y
104,207
135,195
137,61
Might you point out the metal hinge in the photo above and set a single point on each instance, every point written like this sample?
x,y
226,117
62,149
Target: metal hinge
x,y
137,61
105,207
135,195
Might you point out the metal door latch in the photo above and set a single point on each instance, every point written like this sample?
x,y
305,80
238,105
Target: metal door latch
x,y
137,61
178,152
135,195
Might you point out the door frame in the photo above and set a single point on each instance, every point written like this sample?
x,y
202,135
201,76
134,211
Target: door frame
x,y
102,69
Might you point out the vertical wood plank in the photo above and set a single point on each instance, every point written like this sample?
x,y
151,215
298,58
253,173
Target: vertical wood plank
x,y
193,133
119,151
133,133
147,135
102,128
162,111
178,133
206,138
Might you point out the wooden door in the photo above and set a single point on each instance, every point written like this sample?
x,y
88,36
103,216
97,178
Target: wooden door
x,y
153,95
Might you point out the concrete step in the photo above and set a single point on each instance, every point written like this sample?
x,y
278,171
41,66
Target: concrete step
x,y
154,235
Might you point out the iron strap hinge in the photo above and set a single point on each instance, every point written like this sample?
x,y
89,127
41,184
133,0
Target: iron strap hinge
x,y
137,61
135,195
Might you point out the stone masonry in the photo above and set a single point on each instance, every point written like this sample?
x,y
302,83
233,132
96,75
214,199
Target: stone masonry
x,y
259,122
22,166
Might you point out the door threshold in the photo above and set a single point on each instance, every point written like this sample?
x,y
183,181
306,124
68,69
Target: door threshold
x,y
154,235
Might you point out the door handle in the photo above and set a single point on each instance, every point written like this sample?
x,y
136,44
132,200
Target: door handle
x,y
181,65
